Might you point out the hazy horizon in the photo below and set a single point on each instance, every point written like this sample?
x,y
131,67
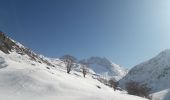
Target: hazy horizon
x,y
127,32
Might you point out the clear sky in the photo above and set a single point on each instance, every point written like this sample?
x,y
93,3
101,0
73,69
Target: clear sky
x,y
125,31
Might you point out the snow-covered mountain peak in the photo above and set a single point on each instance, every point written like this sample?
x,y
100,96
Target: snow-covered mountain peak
x,y
166,51
105,68
154,72
159,62
164,54
99,60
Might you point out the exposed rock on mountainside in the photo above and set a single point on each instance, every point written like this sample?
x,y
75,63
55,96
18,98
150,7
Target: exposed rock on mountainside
x,y
7,45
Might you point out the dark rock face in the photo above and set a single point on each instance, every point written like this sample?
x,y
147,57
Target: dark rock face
x,y
7,45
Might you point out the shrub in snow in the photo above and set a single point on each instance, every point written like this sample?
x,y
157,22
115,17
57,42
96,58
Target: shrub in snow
x,y
84,68
69,61
113,84
134,88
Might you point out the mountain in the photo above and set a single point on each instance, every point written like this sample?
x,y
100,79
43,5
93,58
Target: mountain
x,y
101,66
154,72
25,75
105,68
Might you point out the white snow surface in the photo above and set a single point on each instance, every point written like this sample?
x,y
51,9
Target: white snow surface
x,y
24,79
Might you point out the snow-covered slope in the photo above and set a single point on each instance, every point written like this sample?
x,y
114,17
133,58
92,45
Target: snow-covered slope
x,y
24,75
161,95
106,68
155,72
24,79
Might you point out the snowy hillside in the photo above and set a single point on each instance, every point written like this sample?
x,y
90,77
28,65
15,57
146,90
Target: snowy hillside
x,y
161,95
24,75
106,68
22,79
155,72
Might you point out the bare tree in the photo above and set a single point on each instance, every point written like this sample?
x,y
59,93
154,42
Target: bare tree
x,y
69,61
113,84
84,68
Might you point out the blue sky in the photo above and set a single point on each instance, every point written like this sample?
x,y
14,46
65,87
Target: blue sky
x,y
125,31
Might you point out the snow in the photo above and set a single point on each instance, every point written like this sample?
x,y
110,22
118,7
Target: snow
x,y
161,95
105,68
154,72
24,79
17,43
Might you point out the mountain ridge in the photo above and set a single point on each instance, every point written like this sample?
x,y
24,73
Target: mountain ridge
x,y
108,69
154,72
105,68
